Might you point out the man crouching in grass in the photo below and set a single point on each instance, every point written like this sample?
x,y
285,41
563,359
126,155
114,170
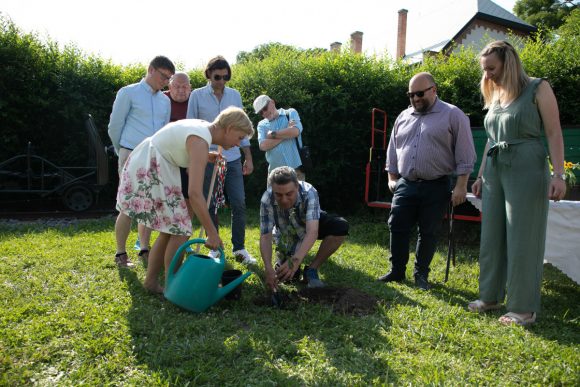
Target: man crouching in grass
x,y
290,215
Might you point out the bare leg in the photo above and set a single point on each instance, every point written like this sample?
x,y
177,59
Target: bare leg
x,y
122,229
173,244
190,209
156,257
327,247
144,236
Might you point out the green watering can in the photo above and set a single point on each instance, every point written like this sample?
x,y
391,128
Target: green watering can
x,y
195,286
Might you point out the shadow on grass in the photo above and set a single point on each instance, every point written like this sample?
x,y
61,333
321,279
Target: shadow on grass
x,y
239,342
558,319
350,341
64,226
560,315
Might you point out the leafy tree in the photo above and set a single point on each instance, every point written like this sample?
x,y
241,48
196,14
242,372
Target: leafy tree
x,y
545,13
265,50
571,27
558,62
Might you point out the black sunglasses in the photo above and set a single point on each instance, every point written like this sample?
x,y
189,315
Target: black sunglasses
x,y
218,77
420,93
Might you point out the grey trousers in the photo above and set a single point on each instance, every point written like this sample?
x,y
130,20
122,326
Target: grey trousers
x,y
513,228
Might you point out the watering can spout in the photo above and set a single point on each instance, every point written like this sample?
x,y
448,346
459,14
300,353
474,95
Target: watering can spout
x,y
223,291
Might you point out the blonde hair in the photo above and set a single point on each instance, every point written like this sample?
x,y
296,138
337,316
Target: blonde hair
x,y
236,118
513,79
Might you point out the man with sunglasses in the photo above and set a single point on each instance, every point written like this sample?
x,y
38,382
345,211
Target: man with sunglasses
x,y
206,103
139,110
277,134
430,142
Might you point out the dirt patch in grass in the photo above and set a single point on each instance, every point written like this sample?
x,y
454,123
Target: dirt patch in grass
x,y
342,300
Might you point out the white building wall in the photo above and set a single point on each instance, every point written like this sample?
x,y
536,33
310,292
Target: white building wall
x,y
479,37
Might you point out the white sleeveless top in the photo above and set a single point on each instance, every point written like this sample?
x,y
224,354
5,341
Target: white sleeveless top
x,y
170,141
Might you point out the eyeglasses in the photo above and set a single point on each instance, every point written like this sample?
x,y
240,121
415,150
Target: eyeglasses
x,y
163,75
218,77
420,93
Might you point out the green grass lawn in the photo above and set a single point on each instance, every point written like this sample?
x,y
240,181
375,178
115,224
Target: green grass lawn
x,y
68,316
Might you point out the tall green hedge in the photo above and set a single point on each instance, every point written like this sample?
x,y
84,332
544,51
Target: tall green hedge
x,y
45,93
334,95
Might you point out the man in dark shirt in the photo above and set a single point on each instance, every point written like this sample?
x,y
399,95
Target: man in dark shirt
x,y
178,93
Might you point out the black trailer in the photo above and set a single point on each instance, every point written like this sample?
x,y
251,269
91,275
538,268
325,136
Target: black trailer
x,y
78,187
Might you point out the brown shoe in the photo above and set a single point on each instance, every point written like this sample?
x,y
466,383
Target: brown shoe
x,y
122,260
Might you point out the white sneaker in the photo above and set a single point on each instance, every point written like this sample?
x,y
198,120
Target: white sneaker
x,y
244,257
214,254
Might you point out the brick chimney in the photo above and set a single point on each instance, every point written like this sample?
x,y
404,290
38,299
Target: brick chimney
x,y
335,47
356,42
402,33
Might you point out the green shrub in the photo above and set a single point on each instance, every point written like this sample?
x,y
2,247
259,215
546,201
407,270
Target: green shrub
x,y
45,93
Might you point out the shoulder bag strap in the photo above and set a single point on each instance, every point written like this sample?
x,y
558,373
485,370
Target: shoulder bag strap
x,y
295,138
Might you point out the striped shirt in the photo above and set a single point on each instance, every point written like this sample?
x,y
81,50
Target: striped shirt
x,y
430,145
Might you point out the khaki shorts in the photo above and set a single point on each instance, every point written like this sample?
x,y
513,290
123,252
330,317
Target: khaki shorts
x,y
123,156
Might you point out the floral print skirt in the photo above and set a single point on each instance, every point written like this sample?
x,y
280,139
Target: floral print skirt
x,y
150,192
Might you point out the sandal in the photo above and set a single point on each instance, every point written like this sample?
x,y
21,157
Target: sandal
x,y
122,260
515,318
479,306
144,257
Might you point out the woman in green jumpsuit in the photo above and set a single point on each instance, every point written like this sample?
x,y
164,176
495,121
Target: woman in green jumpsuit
x,y
514,184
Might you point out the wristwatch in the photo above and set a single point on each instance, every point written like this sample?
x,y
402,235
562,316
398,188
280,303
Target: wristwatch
x,y
560,176
273,135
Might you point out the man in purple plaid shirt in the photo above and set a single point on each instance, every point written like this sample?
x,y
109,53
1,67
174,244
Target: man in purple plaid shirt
x,y
290,216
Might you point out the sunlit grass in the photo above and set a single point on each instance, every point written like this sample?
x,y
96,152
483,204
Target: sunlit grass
x,y
68,316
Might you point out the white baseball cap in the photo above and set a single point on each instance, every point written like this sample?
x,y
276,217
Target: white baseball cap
x,y
261,102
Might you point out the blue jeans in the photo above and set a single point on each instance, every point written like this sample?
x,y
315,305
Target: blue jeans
x,y
422,203
234,189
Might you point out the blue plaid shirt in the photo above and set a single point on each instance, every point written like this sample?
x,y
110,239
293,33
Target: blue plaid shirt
x,y
289,226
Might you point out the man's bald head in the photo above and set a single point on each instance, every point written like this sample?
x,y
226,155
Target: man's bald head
x,y
422,91
179,87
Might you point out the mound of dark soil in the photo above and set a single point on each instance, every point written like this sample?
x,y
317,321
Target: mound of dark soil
x,y
342,300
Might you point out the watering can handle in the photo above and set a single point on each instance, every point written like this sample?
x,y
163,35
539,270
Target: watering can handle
x,y
180,251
